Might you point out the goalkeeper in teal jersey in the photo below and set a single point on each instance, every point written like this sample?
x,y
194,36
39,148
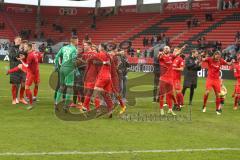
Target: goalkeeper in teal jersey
x,y
66,66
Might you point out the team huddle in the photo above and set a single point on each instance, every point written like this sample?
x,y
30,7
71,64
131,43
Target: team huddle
x,y
91,74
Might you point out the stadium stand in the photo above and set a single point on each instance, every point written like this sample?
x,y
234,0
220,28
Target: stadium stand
x,y
130,26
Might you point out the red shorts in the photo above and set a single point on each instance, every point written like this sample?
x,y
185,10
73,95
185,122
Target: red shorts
x,y
237,88
177,84
105,84
213,83
32,78
89,85
165,86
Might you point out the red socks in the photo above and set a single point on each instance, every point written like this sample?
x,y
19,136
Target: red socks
x,y
237,98
205,100
29,95
174,100
180,98
97,102
169,100
87,102
15,69
108,101
35,91
14,92
235,101
22,89
120,101
218,103
161,101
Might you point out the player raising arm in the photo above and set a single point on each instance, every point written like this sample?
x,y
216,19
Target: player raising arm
x,y
213,79
178,66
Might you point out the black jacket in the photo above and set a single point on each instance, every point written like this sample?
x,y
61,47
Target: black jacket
x,y
190,72
13,54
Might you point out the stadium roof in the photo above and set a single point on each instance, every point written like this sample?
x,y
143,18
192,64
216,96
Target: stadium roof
x,y
87,3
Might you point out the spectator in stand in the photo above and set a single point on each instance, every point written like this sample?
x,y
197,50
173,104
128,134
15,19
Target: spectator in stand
x,y
144,42
138,53
189,24
155,41
233,3
42,35
152,40
25,33
147,42
167,41
94,21
218,45
58,28
237,36
145,53
159,38
231,51
41,48
151,53
195,22
2,25
74,31
209,17
226,5
131,51
87,38
201,43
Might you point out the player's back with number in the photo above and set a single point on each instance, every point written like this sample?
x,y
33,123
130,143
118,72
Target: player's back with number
x,y
68,54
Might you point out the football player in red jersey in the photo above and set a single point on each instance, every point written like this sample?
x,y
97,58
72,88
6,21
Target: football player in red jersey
x,y
166,79
115,62
178,66
39,56
91,73
103,86
236,94
32,71
213,79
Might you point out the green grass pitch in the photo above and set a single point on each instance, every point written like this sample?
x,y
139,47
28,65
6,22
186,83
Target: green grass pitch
x,y
39,130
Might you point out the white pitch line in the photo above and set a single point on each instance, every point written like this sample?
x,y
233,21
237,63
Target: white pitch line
x,y
115,152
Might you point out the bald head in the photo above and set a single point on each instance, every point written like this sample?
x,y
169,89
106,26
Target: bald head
x,y
166,49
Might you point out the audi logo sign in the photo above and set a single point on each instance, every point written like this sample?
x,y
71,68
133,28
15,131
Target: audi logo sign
x,y
68,11
177,6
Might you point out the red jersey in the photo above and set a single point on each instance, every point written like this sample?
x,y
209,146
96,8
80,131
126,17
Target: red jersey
x,y
214,67
32,61
165,62
92,70
105,71
87,55
178,62
236,69
39,55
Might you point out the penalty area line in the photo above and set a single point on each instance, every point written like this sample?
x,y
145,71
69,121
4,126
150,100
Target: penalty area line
x,y
114,152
